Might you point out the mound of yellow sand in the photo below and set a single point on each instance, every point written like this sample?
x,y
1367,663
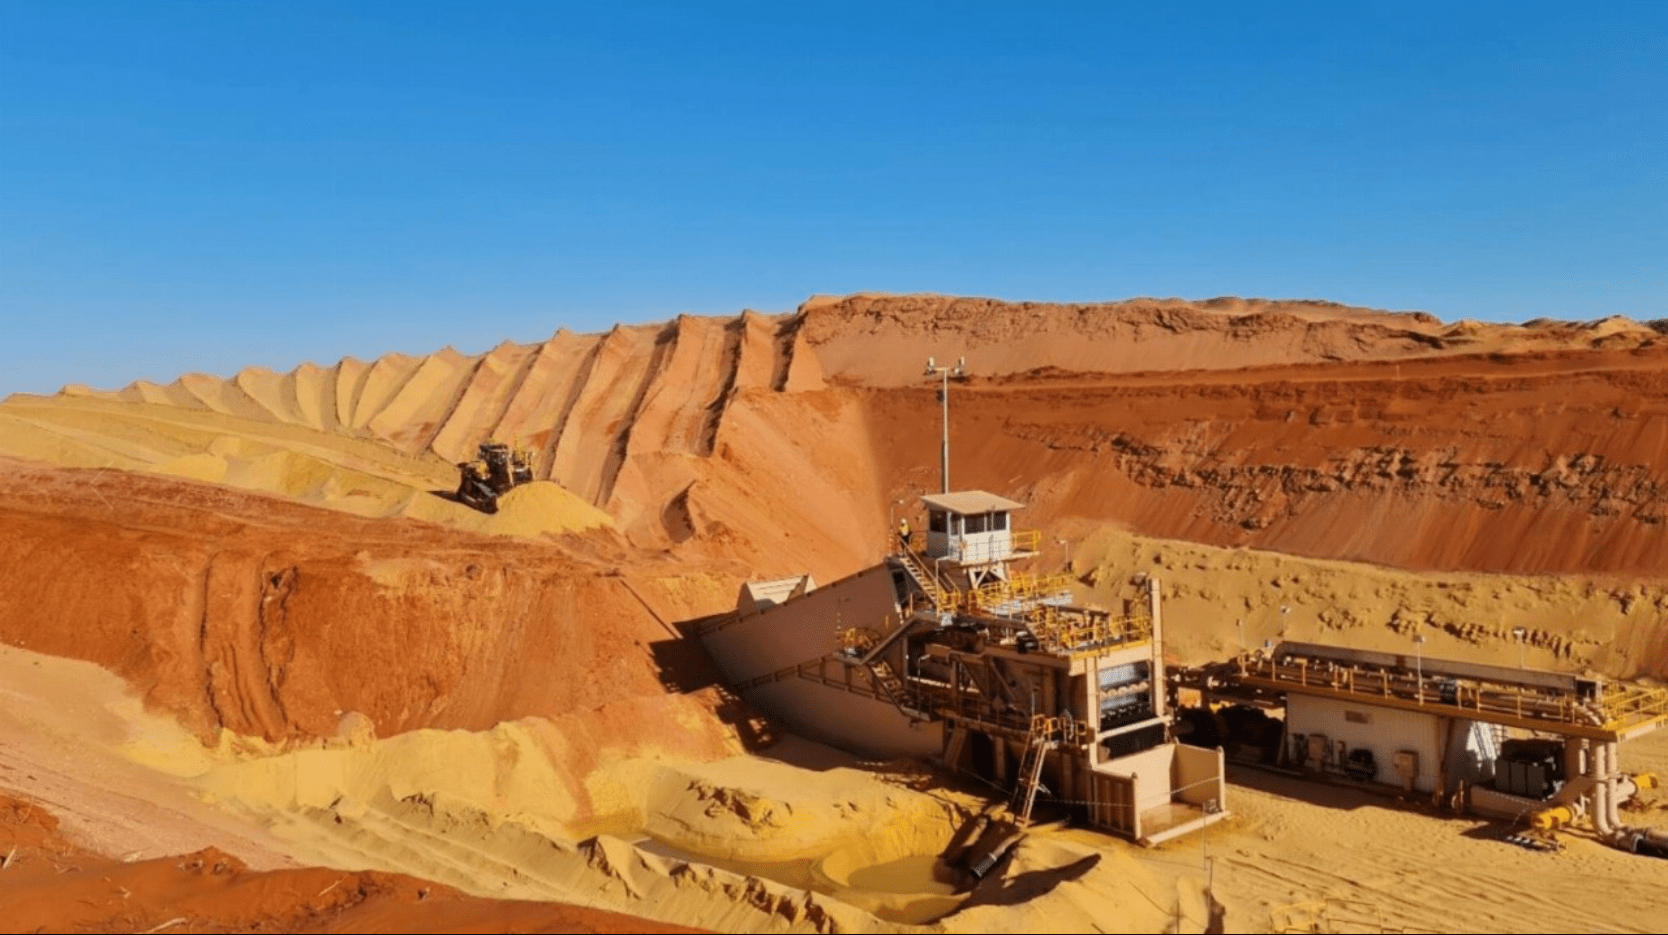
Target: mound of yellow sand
x,y
337,471
529,511
1222,601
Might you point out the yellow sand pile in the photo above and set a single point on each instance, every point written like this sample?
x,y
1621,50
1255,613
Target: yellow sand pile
x,y
357,475
529,511
747,844
1218,601
737,844
309,476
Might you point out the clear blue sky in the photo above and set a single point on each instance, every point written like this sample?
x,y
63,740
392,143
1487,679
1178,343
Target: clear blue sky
x,y
204,185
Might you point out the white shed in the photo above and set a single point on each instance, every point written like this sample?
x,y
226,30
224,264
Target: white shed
x,y
972,527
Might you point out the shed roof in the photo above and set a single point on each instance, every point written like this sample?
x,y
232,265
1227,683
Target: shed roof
x,y
969,501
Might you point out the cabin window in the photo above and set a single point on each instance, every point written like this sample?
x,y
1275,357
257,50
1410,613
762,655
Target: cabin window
x,y
998,522
955,524
978,522
935,521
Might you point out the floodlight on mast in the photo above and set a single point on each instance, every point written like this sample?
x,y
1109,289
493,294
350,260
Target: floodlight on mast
x,y
944,374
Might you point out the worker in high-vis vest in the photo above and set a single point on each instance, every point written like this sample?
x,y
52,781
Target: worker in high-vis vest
x,y
903,531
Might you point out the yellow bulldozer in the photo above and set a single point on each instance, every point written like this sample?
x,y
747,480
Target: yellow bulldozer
x,y
497,469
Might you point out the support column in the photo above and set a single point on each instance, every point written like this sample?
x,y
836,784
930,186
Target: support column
x,y
1575,763
1160,686
953,744
1445,728
1091,675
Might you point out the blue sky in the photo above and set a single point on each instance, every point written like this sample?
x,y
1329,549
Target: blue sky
x,y
200,186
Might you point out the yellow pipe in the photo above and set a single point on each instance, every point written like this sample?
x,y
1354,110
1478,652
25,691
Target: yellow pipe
x,y
1647,781
1549,819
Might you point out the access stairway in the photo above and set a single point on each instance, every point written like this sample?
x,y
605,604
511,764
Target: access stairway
x,y
1044,736
925,577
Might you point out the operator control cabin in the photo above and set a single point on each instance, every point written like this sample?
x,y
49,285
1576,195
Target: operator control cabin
x,y
972,529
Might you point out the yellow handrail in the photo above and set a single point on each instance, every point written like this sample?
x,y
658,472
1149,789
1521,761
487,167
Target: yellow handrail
x,y
1625,708
1021,587
1076,630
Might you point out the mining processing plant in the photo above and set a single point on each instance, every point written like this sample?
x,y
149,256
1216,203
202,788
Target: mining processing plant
x,y
948,650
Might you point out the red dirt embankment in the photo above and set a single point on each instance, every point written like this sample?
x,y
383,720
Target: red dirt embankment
x,y
48,883
1304,427
1530,464
274,619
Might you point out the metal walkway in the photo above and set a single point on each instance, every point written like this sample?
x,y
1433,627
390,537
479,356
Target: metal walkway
x,y
1532,700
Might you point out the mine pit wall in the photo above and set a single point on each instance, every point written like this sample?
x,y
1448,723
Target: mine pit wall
x,y
1307,428
1541,465
237,620
708,428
